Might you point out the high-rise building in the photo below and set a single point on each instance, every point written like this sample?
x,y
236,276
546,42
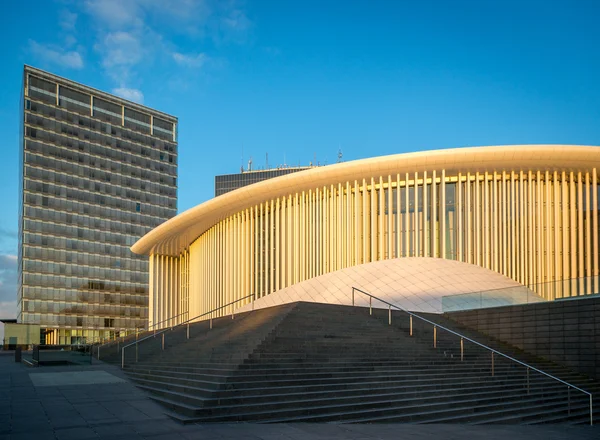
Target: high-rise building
x,y
97,172
230,182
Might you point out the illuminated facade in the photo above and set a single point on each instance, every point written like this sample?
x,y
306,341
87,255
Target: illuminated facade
x,y
97,172
527,212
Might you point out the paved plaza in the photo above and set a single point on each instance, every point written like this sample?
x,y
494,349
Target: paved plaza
x,y
98,402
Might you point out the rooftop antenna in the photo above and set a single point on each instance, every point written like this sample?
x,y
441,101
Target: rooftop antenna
x,y
339,154
250,164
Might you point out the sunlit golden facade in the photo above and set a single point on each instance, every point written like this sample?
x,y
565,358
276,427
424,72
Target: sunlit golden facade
x,y
527,212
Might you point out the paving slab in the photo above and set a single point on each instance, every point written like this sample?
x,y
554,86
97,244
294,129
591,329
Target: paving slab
x,y
73,378
99,402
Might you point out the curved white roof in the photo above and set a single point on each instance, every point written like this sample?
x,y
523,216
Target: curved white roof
x,y
176,234
416,284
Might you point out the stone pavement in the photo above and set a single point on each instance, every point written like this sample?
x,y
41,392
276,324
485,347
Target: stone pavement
x,y
98,402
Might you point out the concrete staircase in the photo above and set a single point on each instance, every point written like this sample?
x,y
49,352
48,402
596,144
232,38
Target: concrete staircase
x,y
308,362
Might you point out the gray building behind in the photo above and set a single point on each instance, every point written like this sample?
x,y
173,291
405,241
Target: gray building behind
x,y
229,182
97,172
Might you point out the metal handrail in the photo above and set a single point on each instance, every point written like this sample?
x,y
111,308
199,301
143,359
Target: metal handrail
x,y
145,329
435,325
252,295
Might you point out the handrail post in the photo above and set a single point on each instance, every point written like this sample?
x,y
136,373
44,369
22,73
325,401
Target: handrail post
x,y
434,336
122,358
389,315
136,345
591,412
233,314
462,349
211,323
370,306
163,340
188,331
411,327
353,297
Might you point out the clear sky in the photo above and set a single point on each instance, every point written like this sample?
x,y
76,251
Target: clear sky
x,y
301,79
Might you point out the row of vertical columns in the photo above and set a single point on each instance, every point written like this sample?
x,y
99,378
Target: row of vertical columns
x,y
537,228
164,300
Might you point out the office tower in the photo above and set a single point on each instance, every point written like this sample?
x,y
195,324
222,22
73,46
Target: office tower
x,y
97,172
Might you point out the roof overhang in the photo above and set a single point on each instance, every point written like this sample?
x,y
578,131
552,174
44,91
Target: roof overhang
x,y
176,234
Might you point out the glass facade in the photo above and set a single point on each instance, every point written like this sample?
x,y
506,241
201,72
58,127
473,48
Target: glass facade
x,y
230,182
97,173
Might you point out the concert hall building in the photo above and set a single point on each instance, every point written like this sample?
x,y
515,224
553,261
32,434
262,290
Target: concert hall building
x,y
520,216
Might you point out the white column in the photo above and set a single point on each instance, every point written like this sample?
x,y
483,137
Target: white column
x,y
390,217
580,247
539,217
290,242
277,245
522,225
434,223
261,253
485,248
459,219
349,241
443,215
565,232
573,233
477,231
468,221
548,247
495,232
356,223
505,249
530,232
595,223
557,249
381,228
406,218
152,290
373,216
365,242
415,233
513,228
425,244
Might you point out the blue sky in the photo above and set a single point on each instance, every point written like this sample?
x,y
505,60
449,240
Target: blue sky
x,y
302,79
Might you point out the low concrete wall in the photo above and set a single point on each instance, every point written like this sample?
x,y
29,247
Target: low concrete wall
x,y
566,332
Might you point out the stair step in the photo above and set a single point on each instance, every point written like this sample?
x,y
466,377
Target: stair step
x,y
321,363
